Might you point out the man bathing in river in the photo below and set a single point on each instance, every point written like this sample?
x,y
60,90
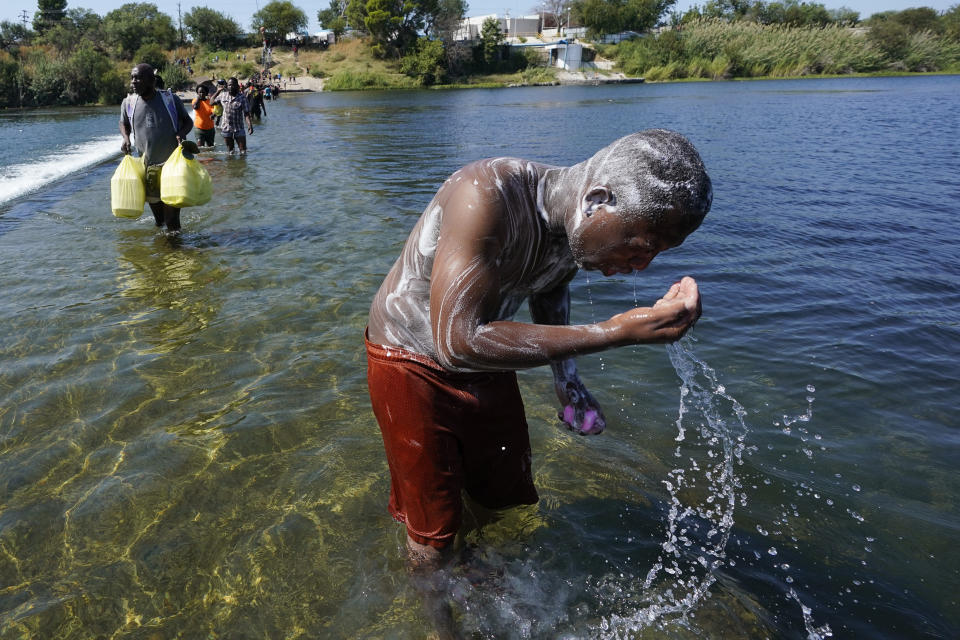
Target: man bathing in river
x,y
442,350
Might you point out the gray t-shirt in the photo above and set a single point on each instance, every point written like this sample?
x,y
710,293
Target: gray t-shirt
x,y
155,136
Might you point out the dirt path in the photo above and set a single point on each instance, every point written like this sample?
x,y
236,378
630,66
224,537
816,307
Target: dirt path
x,y
304,82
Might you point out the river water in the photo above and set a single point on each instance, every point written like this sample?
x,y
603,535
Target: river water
x,y
187,448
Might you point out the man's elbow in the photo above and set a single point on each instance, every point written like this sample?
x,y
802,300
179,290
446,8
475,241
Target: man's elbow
x,y
455,354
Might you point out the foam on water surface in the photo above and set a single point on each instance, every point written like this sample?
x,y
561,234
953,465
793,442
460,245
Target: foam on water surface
x,y
19,179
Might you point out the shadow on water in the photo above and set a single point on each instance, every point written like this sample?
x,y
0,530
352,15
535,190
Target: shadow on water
x,y
255,240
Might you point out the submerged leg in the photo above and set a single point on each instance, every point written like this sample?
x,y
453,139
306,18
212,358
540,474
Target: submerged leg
x,y
424,564
172,217
158,212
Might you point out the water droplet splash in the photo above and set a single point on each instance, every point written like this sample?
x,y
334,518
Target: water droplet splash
x,y
703,495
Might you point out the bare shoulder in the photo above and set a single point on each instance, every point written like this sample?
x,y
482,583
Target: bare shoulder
x,y
484,190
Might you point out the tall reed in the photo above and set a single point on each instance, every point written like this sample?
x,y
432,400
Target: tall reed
x,y
720,49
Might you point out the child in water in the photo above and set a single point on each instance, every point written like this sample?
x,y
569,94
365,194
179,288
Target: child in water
x,y
442,349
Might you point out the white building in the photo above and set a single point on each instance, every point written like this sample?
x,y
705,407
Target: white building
x,y
565,55
510,27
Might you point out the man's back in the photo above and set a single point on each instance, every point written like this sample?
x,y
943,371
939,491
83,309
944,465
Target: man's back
x,y
500,195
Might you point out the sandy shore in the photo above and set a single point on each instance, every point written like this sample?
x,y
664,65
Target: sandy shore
x,y
305,83
309,83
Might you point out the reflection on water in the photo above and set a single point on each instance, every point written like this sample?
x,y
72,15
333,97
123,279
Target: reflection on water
x,y
186,446
174,288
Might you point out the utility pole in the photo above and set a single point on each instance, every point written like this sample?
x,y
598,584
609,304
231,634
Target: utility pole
x,y
180,21
24,16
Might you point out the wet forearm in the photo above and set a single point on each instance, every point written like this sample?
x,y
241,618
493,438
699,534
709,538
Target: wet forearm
x,y
506,345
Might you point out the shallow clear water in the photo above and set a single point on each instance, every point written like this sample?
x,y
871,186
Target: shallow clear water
x,y
187,449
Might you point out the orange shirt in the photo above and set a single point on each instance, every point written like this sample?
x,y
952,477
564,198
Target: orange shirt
x,y
202,114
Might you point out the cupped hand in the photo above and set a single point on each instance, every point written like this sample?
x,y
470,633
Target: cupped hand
x,y
667,321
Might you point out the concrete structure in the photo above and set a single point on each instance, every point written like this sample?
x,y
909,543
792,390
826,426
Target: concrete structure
x,y
324,37
521,27
565,55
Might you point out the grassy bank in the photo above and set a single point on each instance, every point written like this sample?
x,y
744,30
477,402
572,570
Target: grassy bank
x,y
350,65
715,49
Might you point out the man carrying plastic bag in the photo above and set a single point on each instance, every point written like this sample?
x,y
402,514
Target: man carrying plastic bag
x,y
184,182
126,189
159,122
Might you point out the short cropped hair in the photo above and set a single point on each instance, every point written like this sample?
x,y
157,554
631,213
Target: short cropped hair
x,y
145,68
654,172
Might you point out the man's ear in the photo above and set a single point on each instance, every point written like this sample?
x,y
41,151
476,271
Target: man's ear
x,y
596,197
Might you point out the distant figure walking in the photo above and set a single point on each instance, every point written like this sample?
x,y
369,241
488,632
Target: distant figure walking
x,y
159,123
203,117
236,110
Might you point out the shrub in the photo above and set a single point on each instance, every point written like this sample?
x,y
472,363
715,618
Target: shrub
x,y
538,75
244,69
426,63
175,77
11,81
720,49
112,87
352,81
81,74
152,54
45,78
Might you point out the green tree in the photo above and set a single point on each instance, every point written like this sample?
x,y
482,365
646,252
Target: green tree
x,y
11,81
49,13
211,28
13,35
426,62
951,22
919,19
845,16
279,18
135,24
338,26
83,72
806,14
602,17
444,18
491,37
336,10
79,28
893,32
395,25
153,54
356,14
726,9
383,25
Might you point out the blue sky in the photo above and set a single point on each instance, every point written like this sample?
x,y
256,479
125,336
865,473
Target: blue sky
x,y
243,10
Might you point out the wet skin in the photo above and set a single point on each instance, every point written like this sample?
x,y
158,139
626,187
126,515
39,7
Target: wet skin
x,y
484,245
504,230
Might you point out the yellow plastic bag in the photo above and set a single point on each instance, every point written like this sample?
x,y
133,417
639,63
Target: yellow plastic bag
x,y
126,189
184,182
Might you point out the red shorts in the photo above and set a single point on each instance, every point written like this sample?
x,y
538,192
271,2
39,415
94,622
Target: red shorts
x,y
446,432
